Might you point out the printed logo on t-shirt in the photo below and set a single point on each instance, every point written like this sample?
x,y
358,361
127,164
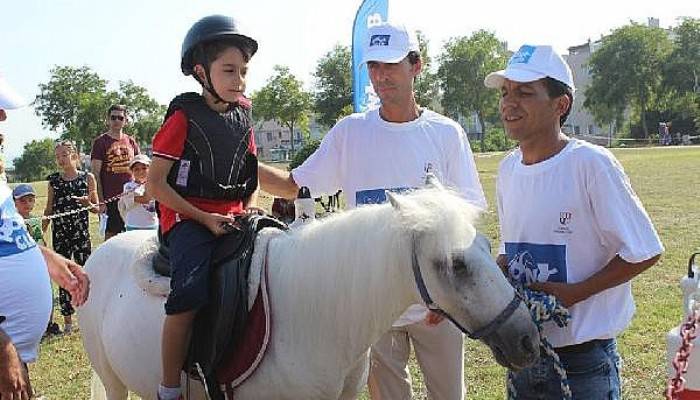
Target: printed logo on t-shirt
x,y
119,154
564,222
529,262
14,237
376,196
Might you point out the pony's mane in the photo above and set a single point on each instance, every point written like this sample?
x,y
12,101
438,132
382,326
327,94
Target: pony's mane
x,y
432,211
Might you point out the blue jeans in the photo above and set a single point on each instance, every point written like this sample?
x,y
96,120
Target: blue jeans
x,y
593,375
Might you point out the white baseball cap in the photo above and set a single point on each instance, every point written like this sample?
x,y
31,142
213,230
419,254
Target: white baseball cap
x,y
389,43
531,63
141,159
9,99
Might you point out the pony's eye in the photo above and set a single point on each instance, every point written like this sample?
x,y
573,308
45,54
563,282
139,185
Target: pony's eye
x,y
459,264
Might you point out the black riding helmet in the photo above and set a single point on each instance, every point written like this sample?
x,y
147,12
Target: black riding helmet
x,y
211,28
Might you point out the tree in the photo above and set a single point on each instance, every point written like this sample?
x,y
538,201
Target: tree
x,y
333,96
464,64
681,79
626,71
66,104
145,113
36,162
308,149
75,100
284,100
682,69
427,87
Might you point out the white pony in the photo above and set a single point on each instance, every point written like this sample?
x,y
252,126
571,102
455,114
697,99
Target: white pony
x,y
336,286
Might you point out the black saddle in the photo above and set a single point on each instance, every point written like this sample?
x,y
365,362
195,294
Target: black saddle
x,y
220,324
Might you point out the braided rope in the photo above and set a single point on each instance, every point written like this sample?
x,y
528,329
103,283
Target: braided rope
x,y
77,210
544,307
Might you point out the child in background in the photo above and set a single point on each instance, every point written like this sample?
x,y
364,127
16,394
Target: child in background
x,y
70,190
137,206
25,200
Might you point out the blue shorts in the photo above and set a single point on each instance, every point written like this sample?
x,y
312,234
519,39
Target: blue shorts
x,y
191,247
593,375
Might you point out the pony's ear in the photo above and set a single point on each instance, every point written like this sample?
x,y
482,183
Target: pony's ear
x,y
394,200
432,182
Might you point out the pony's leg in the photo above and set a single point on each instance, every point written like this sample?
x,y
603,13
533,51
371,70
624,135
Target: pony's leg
x,y
356,379
113,389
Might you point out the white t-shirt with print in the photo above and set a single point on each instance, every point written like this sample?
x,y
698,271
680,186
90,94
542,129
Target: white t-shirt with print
x,y
138,216
25,295
364,156
563,220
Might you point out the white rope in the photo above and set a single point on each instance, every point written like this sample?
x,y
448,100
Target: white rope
x,y
77,210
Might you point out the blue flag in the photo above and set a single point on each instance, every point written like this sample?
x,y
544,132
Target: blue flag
x,y
370,13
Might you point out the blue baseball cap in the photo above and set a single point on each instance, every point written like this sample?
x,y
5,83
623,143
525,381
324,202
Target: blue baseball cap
x,y
22,190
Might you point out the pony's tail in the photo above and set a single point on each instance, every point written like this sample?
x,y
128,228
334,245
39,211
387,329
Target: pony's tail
x,y
97,389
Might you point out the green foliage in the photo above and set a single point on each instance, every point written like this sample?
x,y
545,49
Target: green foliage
x,y
68,103
303,153
627,71
145,114
36,162
284,100
74,102
682,72
333,96
682,68
464,64
494,140
426,87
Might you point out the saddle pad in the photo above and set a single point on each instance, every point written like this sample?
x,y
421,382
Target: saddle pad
x,y
242,362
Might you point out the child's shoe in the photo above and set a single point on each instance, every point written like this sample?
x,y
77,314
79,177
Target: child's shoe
x,y
52,330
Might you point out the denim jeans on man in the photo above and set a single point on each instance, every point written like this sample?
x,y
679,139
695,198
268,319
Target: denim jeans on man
x,y
593,375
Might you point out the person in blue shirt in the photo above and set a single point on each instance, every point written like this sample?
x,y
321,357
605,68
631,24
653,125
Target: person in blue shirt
x,y
25,298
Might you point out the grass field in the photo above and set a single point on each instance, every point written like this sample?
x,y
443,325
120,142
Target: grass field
x,y
668,182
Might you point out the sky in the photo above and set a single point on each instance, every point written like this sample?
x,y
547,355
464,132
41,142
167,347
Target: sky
x,y
140,40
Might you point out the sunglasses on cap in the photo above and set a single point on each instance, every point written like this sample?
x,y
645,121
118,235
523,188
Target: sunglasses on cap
x,y
116,117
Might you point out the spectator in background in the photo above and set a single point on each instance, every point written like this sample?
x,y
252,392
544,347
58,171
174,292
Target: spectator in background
x,y
111,153
137,206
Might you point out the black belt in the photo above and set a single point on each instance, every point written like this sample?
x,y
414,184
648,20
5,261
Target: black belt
x,y
584,347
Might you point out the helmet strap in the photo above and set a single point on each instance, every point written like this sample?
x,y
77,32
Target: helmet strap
x,y
208,85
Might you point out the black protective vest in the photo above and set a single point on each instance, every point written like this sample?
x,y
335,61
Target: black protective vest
x,y
215,163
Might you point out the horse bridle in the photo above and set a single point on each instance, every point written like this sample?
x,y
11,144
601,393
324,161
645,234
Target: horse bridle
x,y
480,333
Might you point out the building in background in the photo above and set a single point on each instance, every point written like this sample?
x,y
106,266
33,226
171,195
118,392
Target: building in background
x,y
272,140
581,122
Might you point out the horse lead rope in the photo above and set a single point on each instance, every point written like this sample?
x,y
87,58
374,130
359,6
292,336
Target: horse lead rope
x,y
77,210
544,307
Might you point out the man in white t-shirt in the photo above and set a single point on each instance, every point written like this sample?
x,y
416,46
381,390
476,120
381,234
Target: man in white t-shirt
x,y
25,298
571,226
393,148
